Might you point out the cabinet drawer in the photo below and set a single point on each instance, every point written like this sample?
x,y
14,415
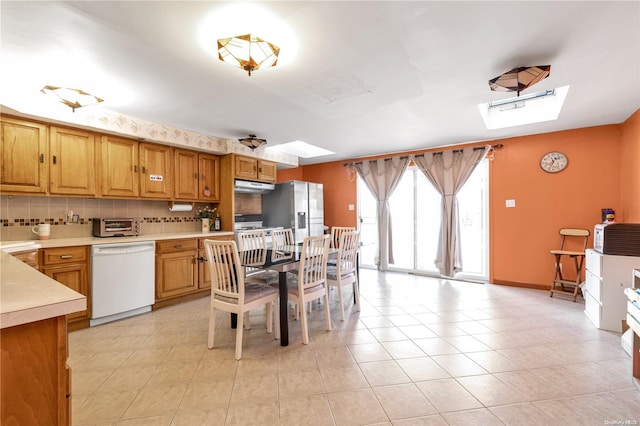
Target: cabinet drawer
x,y
169,246
593,261
593,309
62,255
594,286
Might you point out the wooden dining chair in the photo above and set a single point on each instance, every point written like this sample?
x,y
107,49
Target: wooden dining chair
x,y
573,243
251,240
282,238
336,232
344,272
311,282
230,293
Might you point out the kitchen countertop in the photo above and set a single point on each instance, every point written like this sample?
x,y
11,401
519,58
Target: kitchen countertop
x,y
28,295
14,246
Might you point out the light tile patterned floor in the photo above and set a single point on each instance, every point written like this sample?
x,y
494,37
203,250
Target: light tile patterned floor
x,y
422,351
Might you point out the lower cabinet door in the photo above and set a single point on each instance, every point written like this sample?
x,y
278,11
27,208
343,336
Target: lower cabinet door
x,y
176,273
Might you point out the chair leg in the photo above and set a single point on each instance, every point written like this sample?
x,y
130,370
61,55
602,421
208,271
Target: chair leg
x,y
356,293
303,320
327,314
247,320
239,333
276,319
269,316
340,301
212,327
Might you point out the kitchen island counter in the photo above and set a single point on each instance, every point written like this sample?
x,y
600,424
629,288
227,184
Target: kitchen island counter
x,y
28,295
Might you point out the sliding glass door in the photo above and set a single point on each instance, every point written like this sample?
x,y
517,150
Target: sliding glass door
x,y
415,224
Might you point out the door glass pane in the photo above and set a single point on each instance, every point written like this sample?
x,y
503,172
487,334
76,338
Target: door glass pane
x,y
472,203
428,224
368,225
402,211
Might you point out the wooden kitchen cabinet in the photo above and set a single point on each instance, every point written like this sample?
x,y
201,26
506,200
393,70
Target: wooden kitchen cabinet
x,y
24,151
30,257
254,169
118,167
186,175
156,179
72,162
197,176
176,267
35,378
131,169
70,266
209,177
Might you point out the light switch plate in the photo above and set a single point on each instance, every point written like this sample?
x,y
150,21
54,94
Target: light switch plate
x,y
510,203
352,207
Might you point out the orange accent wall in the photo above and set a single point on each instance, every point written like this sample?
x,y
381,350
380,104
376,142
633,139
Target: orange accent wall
x,y
631,168
603,172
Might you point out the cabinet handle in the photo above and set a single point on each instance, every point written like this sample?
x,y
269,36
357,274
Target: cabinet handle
x,y
260,169
177,246
195,176
144,170
42,158
55,159
254,168
135,169
66,256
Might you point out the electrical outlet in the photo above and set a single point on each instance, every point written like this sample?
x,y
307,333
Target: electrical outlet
x,y
510,203
352,207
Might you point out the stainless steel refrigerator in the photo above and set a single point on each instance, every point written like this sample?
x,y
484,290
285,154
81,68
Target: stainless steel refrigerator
x,y
297,205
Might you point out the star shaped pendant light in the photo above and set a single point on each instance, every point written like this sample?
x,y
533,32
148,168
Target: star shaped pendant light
x,y
248,52
518,79
73,98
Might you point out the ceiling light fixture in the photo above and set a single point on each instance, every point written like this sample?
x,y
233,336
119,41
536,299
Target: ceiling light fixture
x,y
518,79
252,142
73,98
248,52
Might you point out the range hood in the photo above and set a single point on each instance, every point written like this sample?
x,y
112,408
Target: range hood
x,y
249,187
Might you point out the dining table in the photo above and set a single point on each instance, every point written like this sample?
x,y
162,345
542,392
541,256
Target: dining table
x,y
282,259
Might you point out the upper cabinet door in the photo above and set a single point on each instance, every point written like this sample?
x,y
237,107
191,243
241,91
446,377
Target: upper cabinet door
x,y
24,151
119,167
186,175
209,179
266,171
246,168
72,168
156,171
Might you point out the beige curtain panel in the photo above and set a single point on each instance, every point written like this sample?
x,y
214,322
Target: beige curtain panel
x,y
448,171
381,177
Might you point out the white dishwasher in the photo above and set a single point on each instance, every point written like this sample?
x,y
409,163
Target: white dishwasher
x,y
122,280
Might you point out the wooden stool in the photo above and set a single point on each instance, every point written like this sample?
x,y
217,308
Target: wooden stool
x,y
560,283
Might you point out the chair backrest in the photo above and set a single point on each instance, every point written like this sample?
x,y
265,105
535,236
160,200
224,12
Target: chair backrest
x,y
581,237
282,237
227,277
336,232
348,252
253,239
313,262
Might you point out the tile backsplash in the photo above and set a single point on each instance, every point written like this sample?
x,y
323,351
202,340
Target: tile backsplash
x,y
18,214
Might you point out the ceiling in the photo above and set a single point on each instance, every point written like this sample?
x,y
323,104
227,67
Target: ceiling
x,y
367,77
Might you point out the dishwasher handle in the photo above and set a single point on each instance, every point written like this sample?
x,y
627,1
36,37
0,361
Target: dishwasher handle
x,y
112,250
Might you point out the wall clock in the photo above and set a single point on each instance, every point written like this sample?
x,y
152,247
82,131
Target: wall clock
x,y
553,162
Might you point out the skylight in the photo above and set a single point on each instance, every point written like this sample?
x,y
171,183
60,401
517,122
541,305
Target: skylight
x,y
527,109
301,149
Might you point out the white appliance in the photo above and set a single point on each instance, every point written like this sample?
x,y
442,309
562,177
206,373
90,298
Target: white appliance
x,y
606,278
122,280
297,205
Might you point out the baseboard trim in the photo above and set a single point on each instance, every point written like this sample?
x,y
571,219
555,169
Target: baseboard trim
x,y
522,285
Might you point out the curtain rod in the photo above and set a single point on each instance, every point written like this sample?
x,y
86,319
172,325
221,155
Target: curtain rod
x,y
496,146
475,148
385,159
